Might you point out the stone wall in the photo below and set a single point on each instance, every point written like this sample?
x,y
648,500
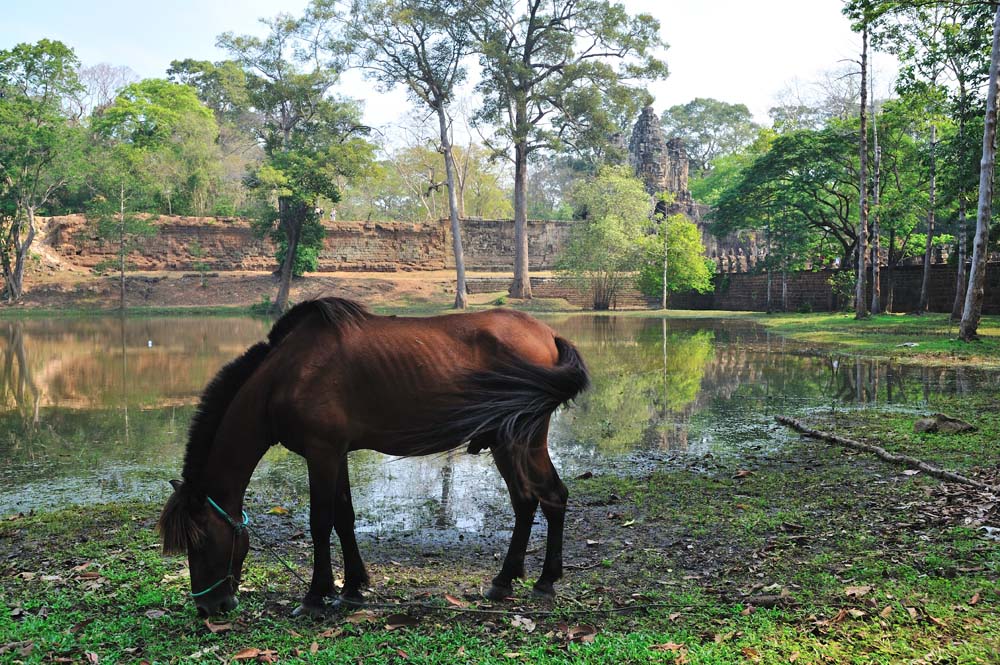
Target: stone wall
x,y
811,291
230,244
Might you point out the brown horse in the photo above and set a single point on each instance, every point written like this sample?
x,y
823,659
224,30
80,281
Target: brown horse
x,y
332,378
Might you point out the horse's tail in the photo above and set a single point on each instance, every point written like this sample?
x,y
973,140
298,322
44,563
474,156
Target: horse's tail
x,y
508,406
517,400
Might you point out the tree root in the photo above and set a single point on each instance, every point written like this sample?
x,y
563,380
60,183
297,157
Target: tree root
x,y
882,453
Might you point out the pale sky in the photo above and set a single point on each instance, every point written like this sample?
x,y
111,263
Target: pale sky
x,y
739,51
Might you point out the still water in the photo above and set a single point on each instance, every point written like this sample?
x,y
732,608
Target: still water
x,y
97,409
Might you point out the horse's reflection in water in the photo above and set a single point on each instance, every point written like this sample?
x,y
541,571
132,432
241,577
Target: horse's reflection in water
x,y
334,378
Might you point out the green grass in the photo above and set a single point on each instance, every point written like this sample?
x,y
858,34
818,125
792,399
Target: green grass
x,y
808,521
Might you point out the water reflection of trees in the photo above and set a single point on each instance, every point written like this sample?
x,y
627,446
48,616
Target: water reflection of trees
x,y
78,362
658,381
17,384
644,381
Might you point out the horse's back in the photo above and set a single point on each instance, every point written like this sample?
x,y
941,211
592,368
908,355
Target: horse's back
x,y
357,381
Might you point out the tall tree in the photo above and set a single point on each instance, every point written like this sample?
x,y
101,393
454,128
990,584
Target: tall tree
x,y
421,45
309,139
860,306
538,60
710,129
973,308
39,149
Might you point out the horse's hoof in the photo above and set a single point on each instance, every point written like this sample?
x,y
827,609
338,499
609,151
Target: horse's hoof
x,y
310,610
544,590
348,602
499,592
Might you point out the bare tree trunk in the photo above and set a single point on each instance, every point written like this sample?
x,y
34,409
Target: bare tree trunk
x,y
977,275
876,231
784,290
461,301
931,205
963,204
290,219
14,275
663,301
956,308
890,264
860,311
521,286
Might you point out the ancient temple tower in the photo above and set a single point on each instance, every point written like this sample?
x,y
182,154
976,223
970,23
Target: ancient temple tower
x,y
646,151
662,165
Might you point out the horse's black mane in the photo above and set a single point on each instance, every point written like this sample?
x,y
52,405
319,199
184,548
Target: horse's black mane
x,y
221,390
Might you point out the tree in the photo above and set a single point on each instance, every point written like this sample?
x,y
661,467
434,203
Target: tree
x,y
421,45
538,64
176,135
673,259
972,311
38,148
122,187
804,178
99,85
710,129
309,139
604,247
860,293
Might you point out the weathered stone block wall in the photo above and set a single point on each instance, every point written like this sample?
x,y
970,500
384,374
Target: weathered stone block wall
x,y
488,244
230,244
224,245
811,290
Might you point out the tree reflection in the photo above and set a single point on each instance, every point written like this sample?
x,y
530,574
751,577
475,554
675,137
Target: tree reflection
x,y
645,378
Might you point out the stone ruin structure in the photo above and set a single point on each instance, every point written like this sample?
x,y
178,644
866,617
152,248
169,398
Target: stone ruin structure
x,y
662,164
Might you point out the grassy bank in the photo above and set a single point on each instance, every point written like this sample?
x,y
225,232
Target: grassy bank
x,y
803,555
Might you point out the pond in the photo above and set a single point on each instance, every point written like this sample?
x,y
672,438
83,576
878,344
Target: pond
x,y
97,409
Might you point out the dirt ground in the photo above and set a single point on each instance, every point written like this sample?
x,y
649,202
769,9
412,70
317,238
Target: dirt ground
x,y
76,289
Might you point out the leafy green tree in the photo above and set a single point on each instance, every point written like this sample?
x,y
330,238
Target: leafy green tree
x,y
673,259
309,138
39,149
122,192
222,87
710,129
805,178
541,59
176,135
604,248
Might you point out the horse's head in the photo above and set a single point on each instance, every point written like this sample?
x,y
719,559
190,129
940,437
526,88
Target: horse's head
x,y
216,544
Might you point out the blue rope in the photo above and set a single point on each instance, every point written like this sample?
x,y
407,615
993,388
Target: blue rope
x,y
237,528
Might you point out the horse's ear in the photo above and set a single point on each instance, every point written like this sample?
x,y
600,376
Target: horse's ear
x,y
176,484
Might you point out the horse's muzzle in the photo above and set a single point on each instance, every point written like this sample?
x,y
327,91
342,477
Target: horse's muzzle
x,y
223,603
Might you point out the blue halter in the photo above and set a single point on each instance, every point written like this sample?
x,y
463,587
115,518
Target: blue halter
x,y
238,528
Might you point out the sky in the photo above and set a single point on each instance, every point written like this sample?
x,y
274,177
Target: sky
x,y
739,51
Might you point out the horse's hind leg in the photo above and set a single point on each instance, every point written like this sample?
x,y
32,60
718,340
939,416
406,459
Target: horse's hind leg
x,y
525,504
552,494
532,479
355,575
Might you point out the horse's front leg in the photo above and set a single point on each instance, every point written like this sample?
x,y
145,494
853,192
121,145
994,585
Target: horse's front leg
x,y
323,473
355,575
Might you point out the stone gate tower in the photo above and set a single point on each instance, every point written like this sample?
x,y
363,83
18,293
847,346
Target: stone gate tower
x,y
662,165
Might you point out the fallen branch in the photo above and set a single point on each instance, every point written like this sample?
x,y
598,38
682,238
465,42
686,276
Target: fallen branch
x,y
882,453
